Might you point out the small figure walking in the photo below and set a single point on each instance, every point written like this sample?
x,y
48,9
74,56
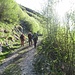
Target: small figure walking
x,y
22,38
30,38
35,38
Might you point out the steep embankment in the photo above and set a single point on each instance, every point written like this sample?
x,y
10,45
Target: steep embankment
x,y
10,15
15,19
34,22
13,16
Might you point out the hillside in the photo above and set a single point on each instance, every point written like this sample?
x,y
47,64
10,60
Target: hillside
x,y
14,16
14,20
34,20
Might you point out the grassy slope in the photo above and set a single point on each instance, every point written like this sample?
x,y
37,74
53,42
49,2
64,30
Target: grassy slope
x,y
11,16
34,20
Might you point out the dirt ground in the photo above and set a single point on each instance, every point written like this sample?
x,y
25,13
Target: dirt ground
x,y
23,57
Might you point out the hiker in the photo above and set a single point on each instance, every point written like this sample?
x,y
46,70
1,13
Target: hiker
x,y
30,38
22,38
35,38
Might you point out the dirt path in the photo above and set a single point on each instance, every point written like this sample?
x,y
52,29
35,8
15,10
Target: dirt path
x,y
24,58
27,62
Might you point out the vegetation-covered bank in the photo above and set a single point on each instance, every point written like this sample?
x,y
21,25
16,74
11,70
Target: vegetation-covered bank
x,y
56,54
14,20
13,15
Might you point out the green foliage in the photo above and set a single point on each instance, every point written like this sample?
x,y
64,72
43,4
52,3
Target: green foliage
x,y
55,55
33,21
32,24
10,11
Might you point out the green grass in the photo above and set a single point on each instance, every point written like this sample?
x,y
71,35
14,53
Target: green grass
x,y
8,50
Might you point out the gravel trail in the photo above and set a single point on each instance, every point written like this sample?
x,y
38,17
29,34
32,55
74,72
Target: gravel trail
x,y
27,62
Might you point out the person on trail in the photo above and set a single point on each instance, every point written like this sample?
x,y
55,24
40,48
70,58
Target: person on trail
x,y
30,38
35,38
22,38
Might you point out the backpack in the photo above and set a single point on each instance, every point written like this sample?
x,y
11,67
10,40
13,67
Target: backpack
x,y
22,37
29,35
35,36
